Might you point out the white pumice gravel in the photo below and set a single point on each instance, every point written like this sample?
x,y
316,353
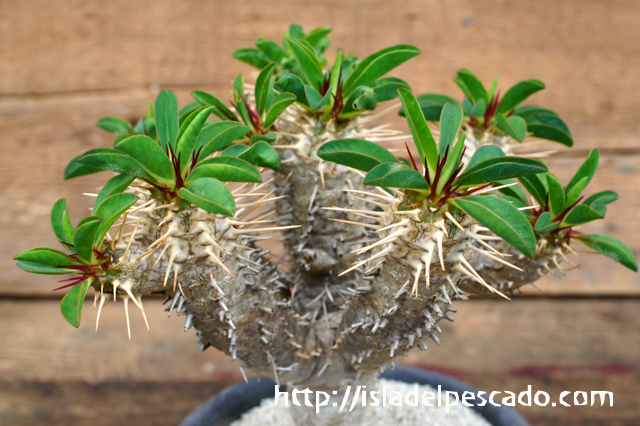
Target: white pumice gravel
x,y
266,414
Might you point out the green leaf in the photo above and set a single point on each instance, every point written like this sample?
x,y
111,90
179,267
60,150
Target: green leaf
x,y
544,223
579,215
494,86
166,114
472,87
61,224
514,191
517,203
271,50
484,153
218,136
550,127
357,153
611,248
450,122
518,93
291,83
582,177
38,268
268,137
431,105
120,139
599,201
530,112
496,169
452,164
220,110
115,185
396,175
71,305
310,68
262,154
422,137
225,169
377,65
110,210
264,86
318,35
316,100
295,31
364,98
252,56
513,126
114,160
188,135
279,104
210,195
556,195
117,126
75,169
501,218
44,260
187,110
84,237
476,110
386,89
150,157
536,186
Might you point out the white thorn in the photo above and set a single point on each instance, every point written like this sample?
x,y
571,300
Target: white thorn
x,y
414,290
439,241
496,258
376,256
452,219
126,314
350,222
387,239
144,315
217,261
403,222
133,234
103,299
166,274
313,196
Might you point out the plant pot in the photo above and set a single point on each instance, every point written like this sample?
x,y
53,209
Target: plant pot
x,y
229,405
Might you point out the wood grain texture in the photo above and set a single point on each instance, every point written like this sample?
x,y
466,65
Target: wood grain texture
x,y
52,374
167,403
585,52
487,336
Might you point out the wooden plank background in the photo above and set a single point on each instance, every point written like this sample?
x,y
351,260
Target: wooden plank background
x,y
64,64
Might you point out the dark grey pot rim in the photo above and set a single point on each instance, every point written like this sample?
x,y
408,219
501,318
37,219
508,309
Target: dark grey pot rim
x,y
229,405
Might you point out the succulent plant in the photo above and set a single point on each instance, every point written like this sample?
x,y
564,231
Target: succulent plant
x,y
377,248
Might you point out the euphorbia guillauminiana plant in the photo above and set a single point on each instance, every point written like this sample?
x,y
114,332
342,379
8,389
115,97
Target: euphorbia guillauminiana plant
x,y
376,248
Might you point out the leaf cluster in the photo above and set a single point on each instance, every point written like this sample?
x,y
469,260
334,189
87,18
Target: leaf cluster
x,y
267,51
260,118
445,182
346,89
176,161
89,256
485,110
560,208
